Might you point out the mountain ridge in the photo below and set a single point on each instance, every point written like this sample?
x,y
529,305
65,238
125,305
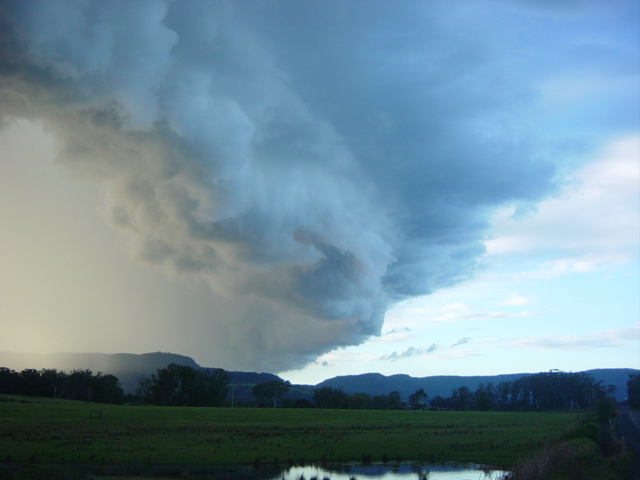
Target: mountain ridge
x,y
442,385
129,368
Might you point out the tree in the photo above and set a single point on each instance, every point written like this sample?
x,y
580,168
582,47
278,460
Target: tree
x,y
270,391
387,402
484,397
179,385
552,390
54,382
170,386
461,398
380,402
633,390
439,403
9,381
415,399
79,385
144,389
330,397
106,389
213,387
31,384
606,410
395,401
503,395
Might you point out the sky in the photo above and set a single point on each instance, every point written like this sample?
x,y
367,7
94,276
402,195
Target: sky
x,y
323,188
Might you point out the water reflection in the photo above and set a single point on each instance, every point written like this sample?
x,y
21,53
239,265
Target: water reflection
x,y
386,472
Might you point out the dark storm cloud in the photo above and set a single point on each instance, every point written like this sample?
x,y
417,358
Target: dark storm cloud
x,y
313,161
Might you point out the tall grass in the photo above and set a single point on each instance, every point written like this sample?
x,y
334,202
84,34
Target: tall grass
x,y
589,452
568,460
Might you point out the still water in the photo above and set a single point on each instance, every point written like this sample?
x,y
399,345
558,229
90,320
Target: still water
x,y
385,472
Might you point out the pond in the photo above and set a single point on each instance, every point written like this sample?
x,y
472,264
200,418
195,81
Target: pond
x,y
342,471
390,472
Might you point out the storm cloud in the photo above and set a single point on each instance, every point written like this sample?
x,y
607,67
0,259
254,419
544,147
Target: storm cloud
x,y
314,162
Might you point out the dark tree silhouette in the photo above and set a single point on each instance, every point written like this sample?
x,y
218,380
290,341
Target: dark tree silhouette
x,y
484,397
415,399
633,390
179,385
329,397
439,403
270,391
78,385
395,401
387,402
541,391
461,398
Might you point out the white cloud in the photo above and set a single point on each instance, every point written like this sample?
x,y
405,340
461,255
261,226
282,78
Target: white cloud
x,y
462,341
410,352
595,223
460,311
395,335
517,300
343,357
611,338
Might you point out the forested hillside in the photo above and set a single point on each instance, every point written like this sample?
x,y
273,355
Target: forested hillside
x,y
377,384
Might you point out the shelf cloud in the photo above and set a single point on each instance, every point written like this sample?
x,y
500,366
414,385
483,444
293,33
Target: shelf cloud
x,y
314,162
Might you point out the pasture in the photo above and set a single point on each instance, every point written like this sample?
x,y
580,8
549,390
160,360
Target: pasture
x,y
46,431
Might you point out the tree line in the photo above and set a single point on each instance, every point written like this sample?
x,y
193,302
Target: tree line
x,y
77,385
177,385
552,390
542,391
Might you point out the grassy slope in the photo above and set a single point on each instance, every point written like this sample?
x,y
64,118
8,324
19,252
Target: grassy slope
x,y
76,432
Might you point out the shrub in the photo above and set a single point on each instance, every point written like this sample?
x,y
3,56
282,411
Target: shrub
x,y
577,460
606,410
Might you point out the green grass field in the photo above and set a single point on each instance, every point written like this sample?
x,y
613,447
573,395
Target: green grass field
x,y
47,431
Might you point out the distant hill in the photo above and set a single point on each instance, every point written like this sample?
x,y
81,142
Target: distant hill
x,y
617,377
130,367
251,377
378,384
